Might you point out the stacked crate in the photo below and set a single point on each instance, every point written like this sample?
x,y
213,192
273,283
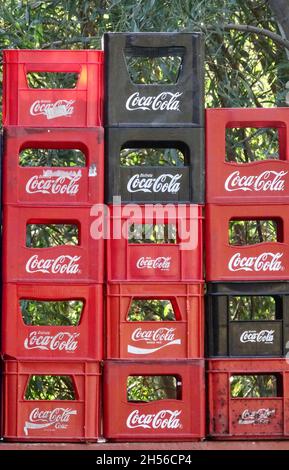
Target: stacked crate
x,y
37,347
144,116
250,350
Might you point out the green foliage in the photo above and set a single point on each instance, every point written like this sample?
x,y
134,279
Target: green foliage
x,y
50,387
52,157
244,145
253,386
52,80
255,307
64,312
152,157
151,388
47,236
151,310
152,233
153,70
250,232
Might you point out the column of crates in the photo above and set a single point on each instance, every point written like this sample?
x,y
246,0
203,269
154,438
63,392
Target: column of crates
x,y
248,291
52,269
147,346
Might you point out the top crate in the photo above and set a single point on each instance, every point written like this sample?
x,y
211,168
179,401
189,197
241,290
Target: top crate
x,y
172,92
258,175
28,100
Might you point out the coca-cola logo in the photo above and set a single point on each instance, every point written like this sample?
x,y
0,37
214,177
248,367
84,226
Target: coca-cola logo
x,y
57,418
162,337
266,181
165,183
263,262
253,336
162,262
261,416
163,419
62,341
63,264
60,108
54,183
165,101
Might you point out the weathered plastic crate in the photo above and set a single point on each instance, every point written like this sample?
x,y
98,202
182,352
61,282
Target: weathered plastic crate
x,y
74,263
181,418
262,261
247,337
158,183
76,419
260,417
34,334
154,339
257,182
41,107
176,104
129,260
53,185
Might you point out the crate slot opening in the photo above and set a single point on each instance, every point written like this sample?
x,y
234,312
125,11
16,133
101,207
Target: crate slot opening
x,y
51,312
50,387
52,80
144,154
252,231
51,235
151,310
147,388
152,233
51,157
154,66
254,307
255,386
249,144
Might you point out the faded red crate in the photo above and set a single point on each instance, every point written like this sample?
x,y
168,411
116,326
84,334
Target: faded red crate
x,y
34,107
83,341
261,261
182,338
162,420
247,418
181,261
53,185
51,420
66,263
256,182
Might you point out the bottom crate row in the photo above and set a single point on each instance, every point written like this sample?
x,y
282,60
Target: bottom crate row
x,y
145,401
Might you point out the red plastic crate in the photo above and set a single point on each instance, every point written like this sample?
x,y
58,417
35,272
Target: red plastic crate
x,y
261,261
34,107
53,185
247,418
51,420
66,263
162,420
182,338
155,261
256,182
83,341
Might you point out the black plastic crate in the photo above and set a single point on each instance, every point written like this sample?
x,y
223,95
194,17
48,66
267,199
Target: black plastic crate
x,y
159,104
162,183
228,337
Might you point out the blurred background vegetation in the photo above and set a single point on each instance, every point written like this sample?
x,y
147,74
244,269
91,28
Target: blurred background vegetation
x,y
247,52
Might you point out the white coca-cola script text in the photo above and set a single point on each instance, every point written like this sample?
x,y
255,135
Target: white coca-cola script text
x,y
163,419
262,262
166,183
63,264
165,101
266,181
60,108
